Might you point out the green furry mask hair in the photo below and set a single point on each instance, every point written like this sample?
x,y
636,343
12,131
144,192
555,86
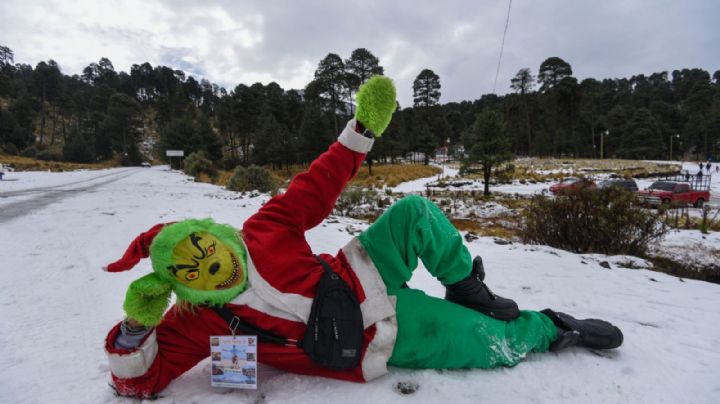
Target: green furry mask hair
x,y
203,262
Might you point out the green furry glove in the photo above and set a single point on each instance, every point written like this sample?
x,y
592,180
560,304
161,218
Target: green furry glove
x,y
376,104
147,299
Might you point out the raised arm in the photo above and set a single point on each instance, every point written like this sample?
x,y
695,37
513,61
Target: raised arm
x,y
311,195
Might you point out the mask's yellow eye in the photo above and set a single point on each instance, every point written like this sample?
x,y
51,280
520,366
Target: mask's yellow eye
x,y
192,275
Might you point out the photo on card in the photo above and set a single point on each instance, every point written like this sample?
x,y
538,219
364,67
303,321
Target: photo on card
x,y
234,361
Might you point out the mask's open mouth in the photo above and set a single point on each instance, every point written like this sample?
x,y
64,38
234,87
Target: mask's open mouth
x,y
229,282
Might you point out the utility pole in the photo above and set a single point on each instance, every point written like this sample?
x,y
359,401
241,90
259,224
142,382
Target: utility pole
x,y
602,141
677,135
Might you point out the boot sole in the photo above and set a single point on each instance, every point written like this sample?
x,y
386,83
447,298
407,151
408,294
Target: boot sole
x,y
565,321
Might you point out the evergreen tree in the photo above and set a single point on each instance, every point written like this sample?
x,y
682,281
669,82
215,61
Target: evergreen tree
x,y
618,120
121,128
523,83
78,148
697,109
589,111
7,58
248,104
568,97
332,83
141,77
361,65
46,85
7,127
269,147
558,122
426,141
426,89
552,70
486,144
191,135
315,134
641,138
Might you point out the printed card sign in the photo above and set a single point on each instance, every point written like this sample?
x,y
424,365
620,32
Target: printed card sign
x,y
233,361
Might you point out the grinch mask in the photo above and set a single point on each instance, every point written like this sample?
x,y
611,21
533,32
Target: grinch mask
x,y
202,262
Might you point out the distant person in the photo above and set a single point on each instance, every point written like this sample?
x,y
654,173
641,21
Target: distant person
x,y
717,169
708,166
687,175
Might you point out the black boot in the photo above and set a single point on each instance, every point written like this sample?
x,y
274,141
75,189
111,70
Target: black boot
x,y
472,292
589,333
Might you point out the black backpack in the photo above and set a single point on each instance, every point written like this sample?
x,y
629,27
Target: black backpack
x,y
334,334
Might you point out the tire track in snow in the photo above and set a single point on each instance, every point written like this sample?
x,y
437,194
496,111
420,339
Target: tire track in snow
x,y
53,187
52,194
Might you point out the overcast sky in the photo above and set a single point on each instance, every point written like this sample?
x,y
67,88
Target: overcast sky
x,y
231,42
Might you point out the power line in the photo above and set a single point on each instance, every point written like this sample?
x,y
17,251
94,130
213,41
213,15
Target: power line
x,y
502,46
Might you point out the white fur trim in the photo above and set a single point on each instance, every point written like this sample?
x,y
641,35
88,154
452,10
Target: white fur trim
x,y
353,140
378,353
378,308
262,296
137,362
377,305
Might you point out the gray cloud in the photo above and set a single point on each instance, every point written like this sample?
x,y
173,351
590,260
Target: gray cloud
x,y
231,42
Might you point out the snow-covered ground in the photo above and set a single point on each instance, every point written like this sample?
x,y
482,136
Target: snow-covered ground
x,y
56,306
448,174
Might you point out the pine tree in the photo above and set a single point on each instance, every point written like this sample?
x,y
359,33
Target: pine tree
x,y
486,144
426,89
332,83
523,83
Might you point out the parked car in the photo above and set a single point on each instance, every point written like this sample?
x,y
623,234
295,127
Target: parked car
x,y
675,193
572,184
145,164
626,184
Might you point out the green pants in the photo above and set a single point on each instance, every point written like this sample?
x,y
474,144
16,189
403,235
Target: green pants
x,y
434,333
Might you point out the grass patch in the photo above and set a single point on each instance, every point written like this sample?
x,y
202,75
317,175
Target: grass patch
x,y
19,163
683,270
544,169
487,227
680,218
392,174
383,175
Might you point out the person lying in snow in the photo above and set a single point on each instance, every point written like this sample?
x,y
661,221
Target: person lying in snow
x,y
267,276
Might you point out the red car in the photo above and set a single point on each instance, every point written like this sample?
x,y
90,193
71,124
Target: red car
x,y
675,193
572,184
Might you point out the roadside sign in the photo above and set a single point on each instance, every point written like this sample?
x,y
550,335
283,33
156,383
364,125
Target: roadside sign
x,y
174,153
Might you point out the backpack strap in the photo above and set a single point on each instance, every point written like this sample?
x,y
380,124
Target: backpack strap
x,y
326,266
236,324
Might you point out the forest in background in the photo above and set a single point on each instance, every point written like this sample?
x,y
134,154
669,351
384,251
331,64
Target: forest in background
x,y
104,114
